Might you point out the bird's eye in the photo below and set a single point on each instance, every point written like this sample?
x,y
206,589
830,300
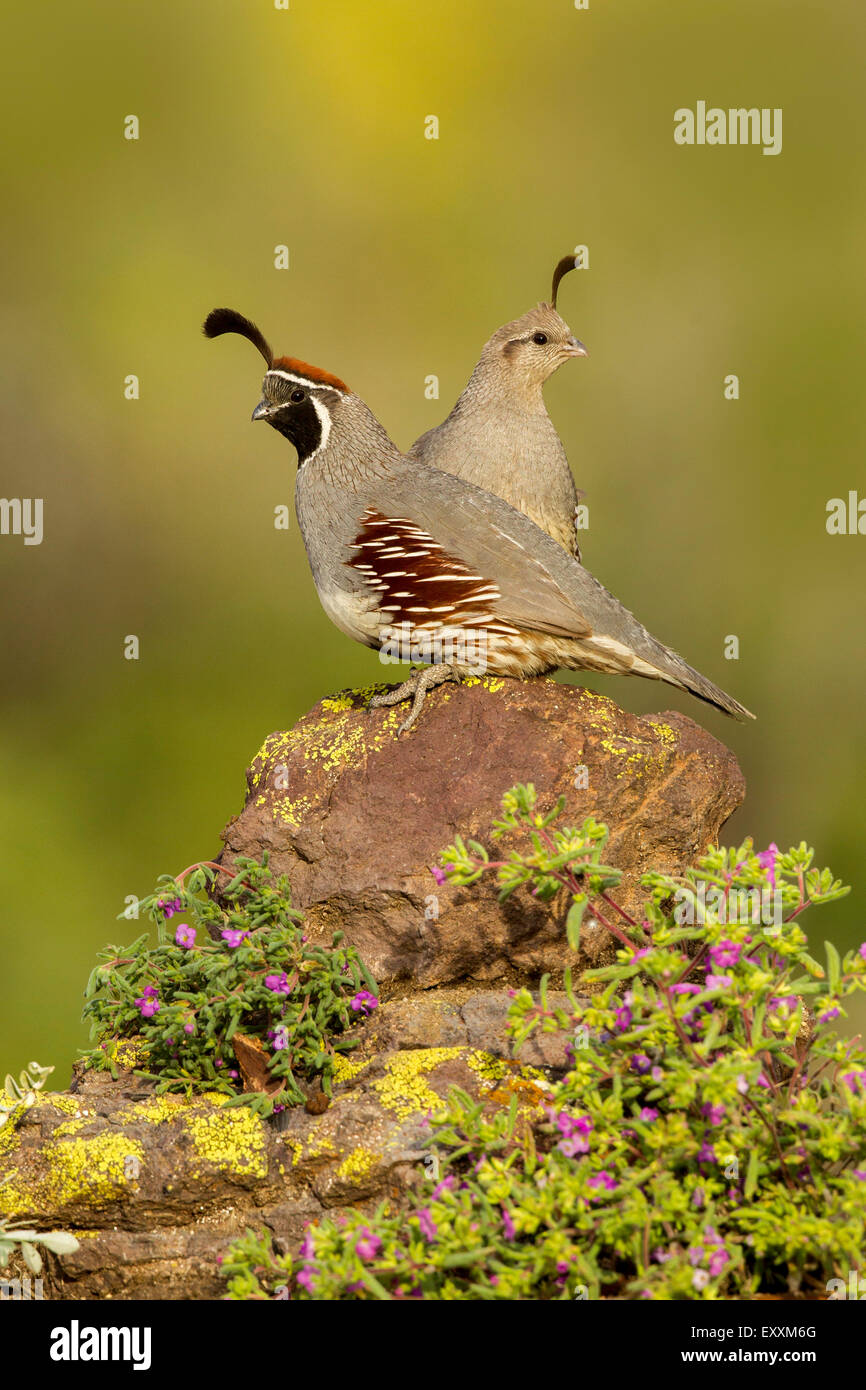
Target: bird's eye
x,y
539,338
298,395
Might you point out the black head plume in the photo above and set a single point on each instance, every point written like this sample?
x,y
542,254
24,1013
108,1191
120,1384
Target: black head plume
x,y
221,321
563,267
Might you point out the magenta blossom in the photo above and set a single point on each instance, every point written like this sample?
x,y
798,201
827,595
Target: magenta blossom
x,y
368,1245
714,1113
278,984
767,860
440,876
170,907
640,1063
649,1114
508,1225
832,1012
184,935
427,1224
232,937
148,1004
719,981
363,1002
725,953
604,1179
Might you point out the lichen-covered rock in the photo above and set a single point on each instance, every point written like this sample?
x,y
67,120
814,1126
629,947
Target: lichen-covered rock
x,y
155,1188
357,817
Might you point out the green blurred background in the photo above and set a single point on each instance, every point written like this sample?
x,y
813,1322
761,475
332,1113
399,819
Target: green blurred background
x,y
306,127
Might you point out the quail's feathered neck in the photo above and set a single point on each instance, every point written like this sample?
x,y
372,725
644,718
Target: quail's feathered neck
x,y
357,449
493,385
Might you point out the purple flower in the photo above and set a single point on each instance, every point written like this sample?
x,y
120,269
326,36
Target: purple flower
x,y
363,1002
170,908
767,860
623,1019
305,1279
368,1245
725,953
148,1004
307,1249
444,1186
184,935
742,1084
232,937
603,1179
279,1037
718,1260
714,1113
508,1224
685,989
640,1063
657,1074
698,1198
440,876
562,1266
427,1224
833,1012
706,1153
189,1027
859,1173
700,1279
719,981
853,1080
649,1114
279,984
862,950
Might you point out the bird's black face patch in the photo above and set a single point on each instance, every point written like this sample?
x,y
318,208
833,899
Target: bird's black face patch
x,y
299,422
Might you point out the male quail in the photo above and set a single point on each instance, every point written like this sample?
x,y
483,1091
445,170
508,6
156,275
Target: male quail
x,y
396,547
499,434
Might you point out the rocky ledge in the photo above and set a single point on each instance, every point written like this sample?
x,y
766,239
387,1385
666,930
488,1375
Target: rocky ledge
x,y
156,1187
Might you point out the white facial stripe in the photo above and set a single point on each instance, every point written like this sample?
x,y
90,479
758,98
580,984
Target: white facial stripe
x,y
303,380
325,421
319,407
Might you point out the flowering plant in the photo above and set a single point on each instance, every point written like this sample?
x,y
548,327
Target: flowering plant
x,y
231,997
707,1140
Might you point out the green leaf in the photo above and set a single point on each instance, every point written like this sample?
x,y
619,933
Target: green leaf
x,y
834,966
752,1173
574,919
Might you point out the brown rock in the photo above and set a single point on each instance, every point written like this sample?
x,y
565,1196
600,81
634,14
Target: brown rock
x,y
357,817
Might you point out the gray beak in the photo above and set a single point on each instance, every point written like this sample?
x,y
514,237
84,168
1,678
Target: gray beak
x,y
261,410
575,348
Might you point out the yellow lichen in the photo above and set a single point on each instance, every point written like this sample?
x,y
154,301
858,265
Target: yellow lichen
x,y
403,1090
295,1146
320,1145
68,1104
337,703
358,1165
345,1069
231,1140
94,1171
127,1052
